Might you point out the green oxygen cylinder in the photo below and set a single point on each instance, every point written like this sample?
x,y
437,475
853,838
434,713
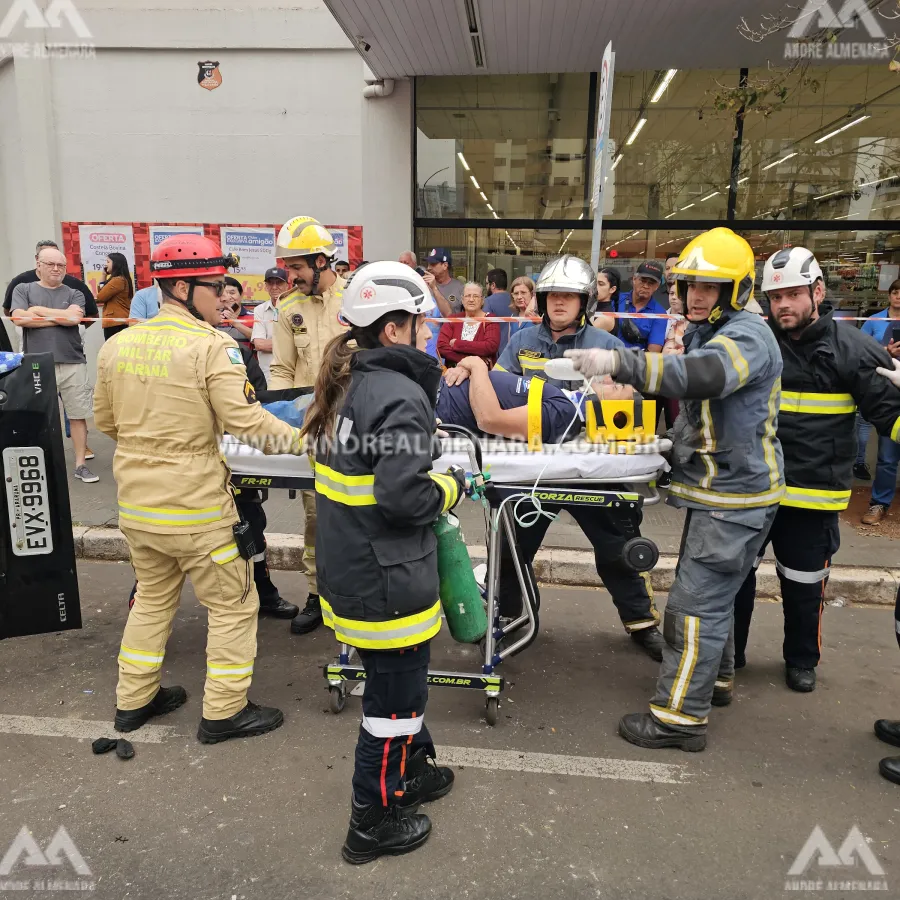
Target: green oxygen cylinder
x,y
460,596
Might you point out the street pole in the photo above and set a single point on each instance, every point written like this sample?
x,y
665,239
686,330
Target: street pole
x,y
604,108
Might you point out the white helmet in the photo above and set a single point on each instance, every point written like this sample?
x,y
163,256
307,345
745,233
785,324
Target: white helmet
x,y
382,287
793,267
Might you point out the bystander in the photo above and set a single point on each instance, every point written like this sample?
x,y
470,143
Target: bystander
x,y
264,317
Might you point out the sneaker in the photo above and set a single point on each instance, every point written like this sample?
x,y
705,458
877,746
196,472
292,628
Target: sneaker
x,y
86,475
664,480
310,618
862,472
877,511
89,454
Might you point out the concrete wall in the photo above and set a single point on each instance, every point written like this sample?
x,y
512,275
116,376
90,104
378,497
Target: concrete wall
x,y
131,136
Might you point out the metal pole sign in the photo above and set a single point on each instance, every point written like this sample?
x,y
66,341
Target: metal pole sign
x,y
604,108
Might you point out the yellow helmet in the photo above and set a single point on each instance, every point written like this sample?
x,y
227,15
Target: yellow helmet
x,y
304,236
722,257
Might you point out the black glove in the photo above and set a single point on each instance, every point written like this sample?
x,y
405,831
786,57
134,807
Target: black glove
x,y
458,473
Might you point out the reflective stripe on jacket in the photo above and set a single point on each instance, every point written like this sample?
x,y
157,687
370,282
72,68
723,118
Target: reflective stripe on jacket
x,y
829,372
376,502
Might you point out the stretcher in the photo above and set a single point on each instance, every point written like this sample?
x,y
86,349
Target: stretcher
x,y
506,475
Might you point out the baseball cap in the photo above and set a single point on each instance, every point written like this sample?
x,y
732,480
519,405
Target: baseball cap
x,y
276,272
439,255
651,268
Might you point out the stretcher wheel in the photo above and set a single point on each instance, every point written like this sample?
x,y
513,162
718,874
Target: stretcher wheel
x,y
337,700
492,710
640,554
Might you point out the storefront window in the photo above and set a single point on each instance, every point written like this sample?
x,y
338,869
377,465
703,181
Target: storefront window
x,y
797,163
678,164
502,147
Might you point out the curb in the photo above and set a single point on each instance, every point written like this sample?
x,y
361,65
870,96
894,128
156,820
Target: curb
x,y
573,568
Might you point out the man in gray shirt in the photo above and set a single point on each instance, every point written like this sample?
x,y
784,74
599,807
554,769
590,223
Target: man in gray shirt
x,y
49,312
446,289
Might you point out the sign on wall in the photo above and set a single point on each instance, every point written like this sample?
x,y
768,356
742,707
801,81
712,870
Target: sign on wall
x,y
159,233
97,242
255,247
342,242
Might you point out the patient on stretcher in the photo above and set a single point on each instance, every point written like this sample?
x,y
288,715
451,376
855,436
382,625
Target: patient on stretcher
x,y
499,403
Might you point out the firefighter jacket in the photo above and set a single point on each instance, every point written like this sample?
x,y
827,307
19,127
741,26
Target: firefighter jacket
x,y
726,452
166,391
376,502
303,326
829,371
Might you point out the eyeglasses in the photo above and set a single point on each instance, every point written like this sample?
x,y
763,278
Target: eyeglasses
x,y
60,266
217,286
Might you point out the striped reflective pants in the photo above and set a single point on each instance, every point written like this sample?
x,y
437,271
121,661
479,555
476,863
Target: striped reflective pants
x,y
718,548
393,724
220,579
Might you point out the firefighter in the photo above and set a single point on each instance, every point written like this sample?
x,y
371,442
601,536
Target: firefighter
x,y
307,318
372,424
565,290
727,474
166,390
829,372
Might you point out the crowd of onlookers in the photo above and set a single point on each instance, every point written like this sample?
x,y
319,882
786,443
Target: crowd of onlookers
x,y
470,306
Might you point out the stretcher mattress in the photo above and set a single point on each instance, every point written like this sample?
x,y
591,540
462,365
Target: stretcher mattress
x,y
505,461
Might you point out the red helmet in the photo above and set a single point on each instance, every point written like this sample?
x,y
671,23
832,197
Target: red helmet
x,y
189,255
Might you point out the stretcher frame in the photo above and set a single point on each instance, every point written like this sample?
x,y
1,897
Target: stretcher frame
x,y
502,639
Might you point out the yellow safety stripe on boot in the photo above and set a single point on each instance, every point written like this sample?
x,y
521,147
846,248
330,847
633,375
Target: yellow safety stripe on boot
x,y
219,672
449,485
821,404
141,657
807,498
349,490
895,431
158,516
734,353
689,655
406,631
535,398
724,500
224,554
640,625
671,718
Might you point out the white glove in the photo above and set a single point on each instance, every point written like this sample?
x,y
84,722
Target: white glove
x,y
893,377
594,363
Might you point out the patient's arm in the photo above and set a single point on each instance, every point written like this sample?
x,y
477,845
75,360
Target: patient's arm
x,y
491,418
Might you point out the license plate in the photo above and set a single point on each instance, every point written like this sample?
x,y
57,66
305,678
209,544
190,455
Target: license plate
x,y
27,496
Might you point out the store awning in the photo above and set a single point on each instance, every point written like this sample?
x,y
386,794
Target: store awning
x,y
402,38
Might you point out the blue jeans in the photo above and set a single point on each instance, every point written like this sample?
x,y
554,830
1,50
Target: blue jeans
x,y
863,430
885,482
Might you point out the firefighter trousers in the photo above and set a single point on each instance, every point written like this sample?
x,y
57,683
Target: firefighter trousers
x,y
221,581
718,548
393,724
308,563
607,530
803,541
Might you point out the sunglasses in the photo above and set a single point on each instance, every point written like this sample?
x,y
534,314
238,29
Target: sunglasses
x,y
218,287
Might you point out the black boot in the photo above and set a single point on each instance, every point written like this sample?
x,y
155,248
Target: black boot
x,y
740,660
651,641
644,731
723,693
378,831
249,722
311,617
801,680
890,768
888,731
271,603
165,701
424,781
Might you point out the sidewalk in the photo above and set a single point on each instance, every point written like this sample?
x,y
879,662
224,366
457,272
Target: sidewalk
x,y
95,505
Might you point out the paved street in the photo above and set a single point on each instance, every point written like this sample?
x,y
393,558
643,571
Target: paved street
x,y
264,818
95,504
